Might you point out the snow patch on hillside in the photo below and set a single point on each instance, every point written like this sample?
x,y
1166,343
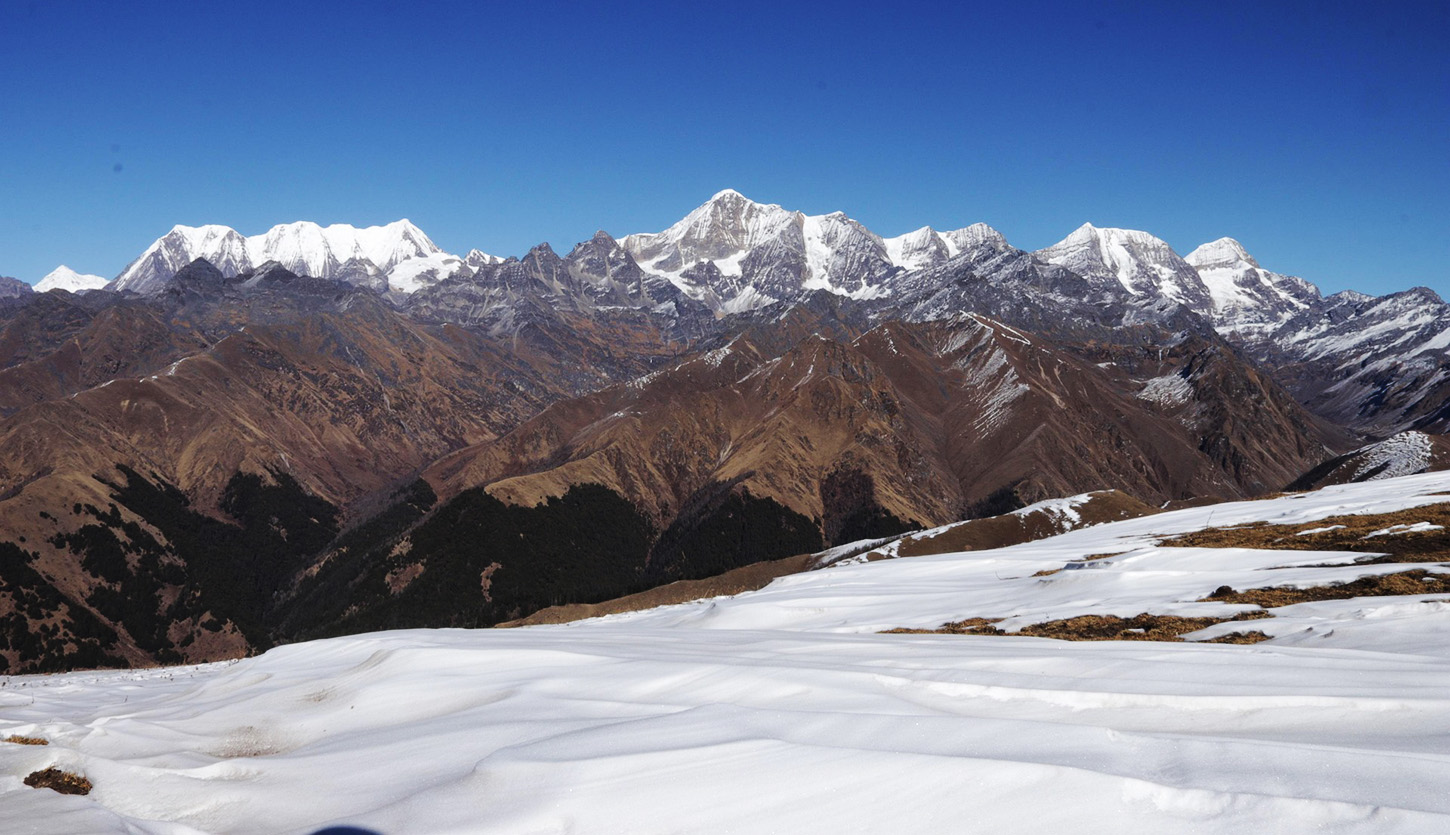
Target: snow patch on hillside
x,y
1168,390
1404,454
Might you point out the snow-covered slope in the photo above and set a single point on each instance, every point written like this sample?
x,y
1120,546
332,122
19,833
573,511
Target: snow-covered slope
x,y
1145,266
1246,296
736,254
305,248
1404,454
1380,364
477,258
927,247
786,710
65,278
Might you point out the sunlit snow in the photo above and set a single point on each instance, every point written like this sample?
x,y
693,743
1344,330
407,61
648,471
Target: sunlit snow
x,y
785,710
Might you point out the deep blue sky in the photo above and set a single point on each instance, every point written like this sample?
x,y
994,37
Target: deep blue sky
x,y
1316,133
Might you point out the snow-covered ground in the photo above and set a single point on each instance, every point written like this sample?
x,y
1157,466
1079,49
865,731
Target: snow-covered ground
x,y
785,710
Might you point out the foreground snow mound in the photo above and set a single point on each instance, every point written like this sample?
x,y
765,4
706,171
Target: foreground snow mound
x,y
786,710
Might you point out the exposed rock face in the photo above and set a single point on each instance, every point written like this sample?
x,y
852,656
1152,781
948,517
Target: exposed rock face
x,y
13,288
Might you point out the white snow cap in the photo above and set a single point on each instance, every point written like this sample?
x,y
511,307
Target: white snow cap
x,y
303,247
67,279
1222,252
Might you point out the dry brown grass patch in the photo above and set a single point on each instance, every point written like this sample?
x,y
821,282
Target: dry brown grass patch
x,y
1239,638
1144,627
1416,581
1011,529
57,780
735,581
1419,546
27,740
959,627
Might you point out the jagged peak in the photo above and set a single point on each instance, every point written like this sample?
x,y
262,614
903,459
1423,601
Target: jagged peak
x,y
1418,293
477,257
194,238
1349,297
975,234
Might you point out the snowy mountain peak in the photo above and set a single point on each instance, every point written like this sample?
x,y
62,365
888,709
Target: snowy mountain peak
x,y
1142,264
478,258
1219,253
918,250
65,278
721,229
1246,297
971,237
760,253
339,251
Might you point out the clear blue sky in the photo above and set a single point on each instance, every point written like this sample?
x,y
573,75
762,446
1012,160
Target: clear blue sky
x,y
1316,133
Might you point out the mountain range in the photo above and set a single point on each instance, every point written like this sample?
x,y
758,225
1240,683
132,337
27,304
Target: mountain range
x,y
241,441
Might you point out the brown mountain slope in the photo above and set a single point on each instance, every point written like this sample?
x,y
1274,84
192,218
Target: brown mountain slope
x,y
323,409
56,348
921,421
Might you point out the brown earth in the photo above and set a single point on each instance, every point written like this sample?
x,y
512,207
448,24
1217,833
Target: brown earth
x,y
341,392
1012,529
27,740
1416,581
1143,627
60,781
746,578
950,419
1419,546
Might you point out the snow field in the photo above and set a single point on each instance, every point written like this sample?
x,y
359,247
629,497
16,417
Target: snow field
x,y
784,710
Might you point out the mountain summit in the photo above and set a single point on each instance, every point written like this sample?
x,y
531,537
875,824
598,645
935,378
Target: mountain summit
x,y
399,252
1144,265
65,278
